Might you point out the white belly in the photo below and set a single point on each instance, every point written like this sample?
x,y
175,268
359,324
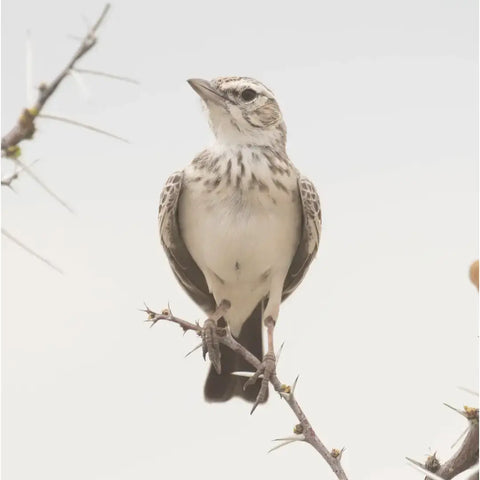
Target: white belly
x,y
242,241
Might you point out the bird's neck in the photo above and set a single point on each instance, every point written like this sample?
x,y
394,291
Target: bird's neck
x,y
229,135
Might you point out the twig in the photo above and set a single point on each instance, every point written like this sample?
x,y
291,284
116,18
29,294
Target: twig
x,y
29,250
25,126
304,430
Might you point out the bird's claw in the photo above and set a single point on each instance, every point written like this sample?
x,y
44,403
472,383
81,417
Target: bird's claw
x,y
211,344
266,369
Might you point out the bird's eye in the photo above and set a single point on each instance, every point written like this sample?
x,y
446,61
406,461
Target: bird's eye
x,y
248,94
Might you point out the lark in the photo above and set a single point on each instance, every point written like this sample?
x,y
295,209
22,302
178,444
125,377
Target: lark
x,y
240,226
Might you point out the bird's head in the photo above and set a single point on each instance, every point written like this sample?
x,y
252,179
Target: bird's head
x,y
242,111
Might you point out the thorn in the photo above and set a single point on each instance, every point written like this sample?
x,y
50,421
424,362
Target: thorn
x,y
470,413
30,251
75,37
196,348
286,441
418,466
80,83
108,75
453,408
244,374
277,356
294,386
472,392
460,437
83,125
33,175
87,23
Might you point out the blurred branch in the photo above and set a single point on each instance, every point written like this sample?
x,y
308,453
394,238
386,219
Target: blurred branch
x,y
108,75
40,182
83,125
29,250
304,431
25,126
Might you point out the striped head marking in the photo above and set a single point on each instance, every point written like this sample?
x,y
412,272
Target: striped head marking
x,y
241,110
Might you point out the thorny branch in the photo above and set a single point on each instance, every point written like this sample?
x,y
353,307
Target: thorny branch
x,y
466,456
24,129
304,430
25,126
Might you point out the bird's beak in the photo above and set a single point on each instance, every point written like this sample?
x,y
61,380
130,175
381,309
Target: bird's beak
x,y
207,92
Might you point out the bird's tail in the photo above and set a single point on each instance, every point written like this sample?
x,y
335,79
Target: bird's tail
x,y
220,388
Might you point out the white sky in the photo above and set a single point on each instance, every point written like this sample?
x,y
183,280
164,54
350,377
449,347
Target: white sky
x,y
380,99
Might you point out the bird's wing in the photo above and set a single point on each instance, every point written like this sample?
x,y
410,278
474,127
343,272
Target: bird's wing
x,y
310,236
184,267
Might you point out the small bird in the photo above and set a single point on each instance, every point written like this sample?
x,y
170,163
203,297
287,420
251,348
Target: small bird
x,y
240,226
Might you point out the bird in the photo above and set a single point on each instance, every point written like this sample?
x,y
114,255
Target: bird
x,y
240,226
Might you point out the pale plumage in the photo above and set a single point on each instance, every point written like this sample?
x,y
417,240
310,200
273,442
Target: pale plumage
x,y
240,223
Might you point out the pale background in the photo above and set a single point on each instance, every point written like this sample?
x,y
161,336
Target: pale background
x,y
380,99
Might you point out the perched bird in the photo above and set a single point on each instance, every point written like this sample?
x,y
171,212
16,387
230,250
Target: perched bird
x,y
240,226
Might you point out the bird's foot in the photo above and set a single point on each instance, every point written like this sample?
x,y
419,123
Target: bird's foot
x,y
210,343
267,368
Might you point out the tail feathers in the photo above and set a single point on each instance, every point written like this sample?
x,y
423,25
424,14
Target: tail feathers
x,y
220,388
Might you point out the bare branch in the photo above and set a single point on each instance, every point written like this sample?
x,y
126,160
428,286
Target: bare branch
x,y
29,250
25,126
83,125
105,74
304,429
